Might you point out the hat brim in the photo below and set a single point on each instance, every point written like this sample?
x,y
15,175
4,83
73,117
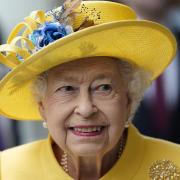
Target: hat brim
x,y
145,44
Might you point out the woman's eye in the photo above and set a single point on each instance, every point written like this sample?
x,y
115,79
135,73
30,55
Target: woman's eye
x,y
104,88
66,89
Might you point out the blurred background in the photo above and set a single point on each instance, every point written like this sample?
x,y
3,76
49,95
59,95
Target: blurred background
x,y
159,113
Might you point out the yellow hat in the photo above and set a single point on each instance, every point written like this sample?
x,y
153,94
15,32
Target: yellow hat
x,y
77,30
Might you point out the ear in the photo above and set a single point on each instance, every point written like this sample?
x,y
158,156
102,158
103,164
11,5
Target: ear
x,y
42,110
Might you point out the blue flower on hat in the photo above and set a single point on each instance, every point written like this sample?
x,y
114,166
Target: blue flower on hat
x,y
48,33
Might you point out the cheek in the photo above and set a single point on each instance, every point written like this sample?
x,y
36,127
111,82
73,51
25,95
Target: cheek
x,y
115,110
56,115
116,113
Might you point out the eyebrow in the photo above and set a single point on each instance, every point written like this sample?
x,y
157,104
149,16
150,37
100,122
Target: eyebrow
x,y
70,78
103,76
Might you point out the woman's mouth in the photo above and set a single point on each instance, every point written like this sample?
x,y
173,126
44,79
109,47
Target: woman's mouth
x,y
87,131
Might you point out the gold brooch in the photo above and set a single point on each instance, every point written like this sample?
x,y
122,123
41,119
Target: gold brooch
x,y
164,170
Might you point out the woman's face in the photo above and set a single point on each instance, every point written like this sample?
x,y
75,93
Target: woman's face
x,y
86,105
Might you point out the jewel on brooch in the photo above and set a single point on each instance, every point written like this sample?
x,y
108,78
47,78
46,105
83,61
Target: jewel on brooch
x,y
164,170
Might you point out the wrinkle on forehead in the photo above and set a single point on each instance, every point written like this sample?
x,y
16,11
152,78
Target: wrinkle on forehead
x,y
79,78
89,68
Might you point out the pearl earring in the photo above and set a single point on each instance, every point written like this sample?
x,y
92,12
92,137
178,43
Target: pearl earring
x,y
126,124
44,124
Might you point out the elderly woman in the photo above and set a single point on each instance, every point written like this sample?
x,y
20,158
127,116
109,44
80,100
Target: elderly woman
x,y
83,68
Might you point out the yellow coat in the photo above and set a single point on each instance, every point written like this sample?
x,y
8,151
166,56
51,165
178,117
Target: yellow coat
x,y
142,157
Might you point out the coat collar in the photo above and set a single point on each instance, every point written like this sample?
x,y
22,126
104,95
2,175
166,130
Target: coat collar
x,y
125,167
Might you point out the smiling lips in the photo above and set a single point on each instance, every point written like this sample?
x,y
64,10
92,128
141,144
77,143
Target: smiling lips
x,y
87,131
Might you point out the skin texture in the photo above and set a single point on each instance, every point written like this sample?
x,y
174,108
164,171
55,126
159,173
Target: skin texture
x,y
86,92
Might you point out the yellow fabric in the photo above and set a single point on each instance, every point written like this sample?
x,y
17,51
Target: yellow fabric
x,y
117,34
18,28
37,161
21,38
7,61
12,49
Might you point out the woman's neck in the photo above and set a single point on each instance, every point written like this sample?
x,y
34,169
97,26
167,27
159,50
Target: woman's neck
x,y
90,167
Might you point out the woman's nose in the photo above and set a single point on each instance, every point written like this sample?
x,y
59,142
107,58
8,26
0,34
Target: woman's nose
x,y
85,106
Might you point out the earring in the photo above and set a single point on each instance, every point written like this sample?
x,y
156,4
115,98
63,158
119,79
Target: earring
x,y
44,124
126,124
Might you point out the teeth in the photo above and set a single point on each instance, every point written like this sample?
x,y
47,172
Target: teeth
x,y
86,130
